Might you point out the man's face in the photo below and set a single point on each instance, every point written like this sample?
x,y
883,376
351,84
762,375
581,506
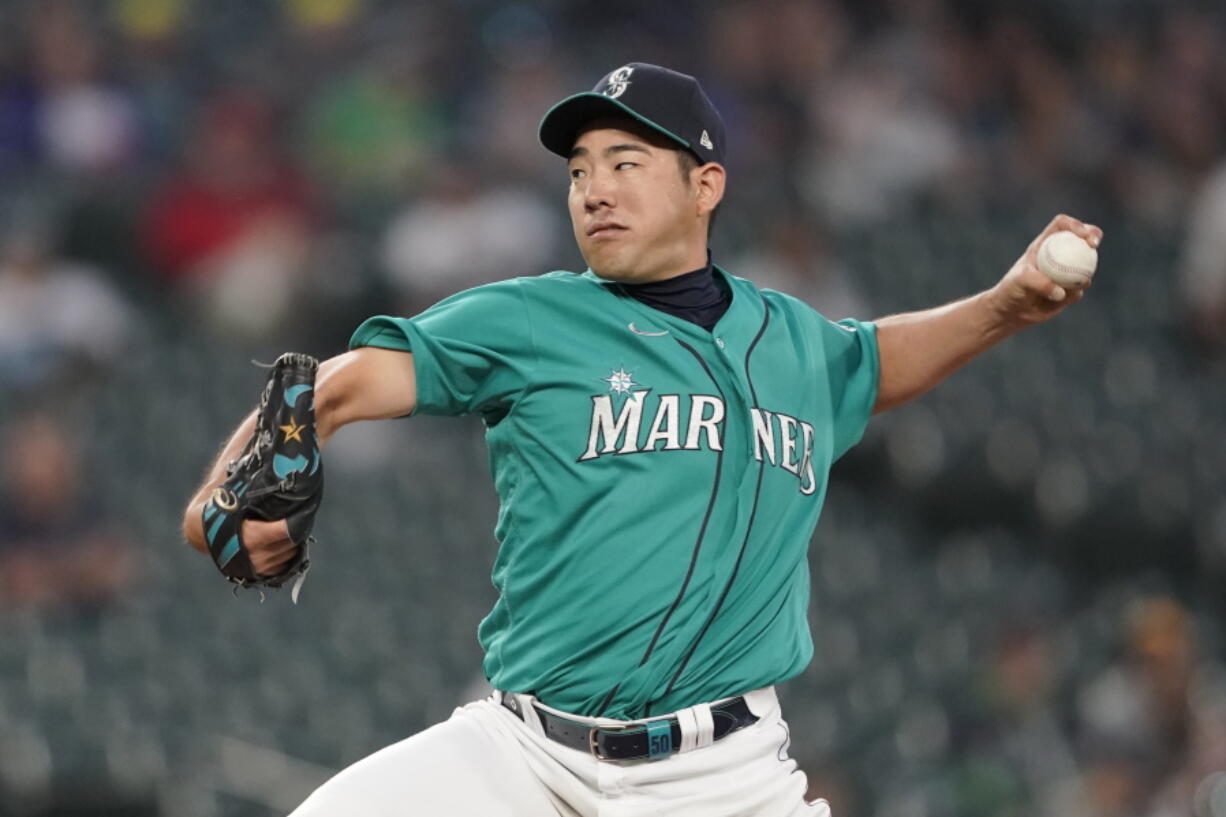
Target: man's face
x,y
635,217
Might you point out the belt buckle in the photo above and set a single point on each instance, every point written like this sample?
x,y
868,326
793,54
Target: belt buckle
x,y
593,742
593,739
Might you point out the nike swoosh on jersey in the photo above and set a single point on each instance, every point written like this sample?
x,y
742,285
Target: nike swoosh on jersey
x,y
638,331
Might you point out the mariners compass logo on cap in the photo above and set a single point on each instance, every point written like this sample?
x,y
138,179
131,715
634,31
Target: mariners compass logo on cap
x,y
671,103
618,82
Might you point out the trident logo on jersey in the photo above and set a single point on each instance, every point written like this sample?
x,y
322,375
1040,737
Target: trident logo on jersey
x,y
618,82
630,420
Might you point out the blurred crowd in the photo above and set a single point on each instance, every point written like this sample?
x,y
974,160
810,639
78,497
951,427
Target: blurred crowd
x,y
263,166
1144,736
262,174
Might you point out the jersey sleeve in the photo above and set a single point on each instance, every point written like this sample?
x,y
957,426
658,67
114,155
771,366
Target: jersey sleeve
x,y
473,353
853,368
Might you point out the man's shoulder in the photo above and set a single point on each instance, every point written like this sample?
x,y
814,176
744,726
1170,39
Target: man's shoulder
x,y
561,285
791,308
549,283
548,293
776,300
557,279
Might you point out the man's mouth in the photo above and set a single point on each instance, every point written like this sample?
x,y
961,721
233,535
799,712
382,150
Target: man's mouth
x,y
602,229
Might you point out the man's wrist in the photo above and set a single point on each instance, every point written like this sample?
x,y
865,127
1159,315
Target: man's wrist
x,y
1001,316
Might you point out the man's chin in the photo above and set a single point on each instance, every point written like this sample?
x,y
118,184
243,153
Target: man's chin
x,y
614,274
620,267
602,271
609,269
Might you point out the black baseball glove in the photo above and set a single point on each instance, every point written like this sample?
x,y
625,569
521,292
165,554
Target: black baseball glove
x,y
279,475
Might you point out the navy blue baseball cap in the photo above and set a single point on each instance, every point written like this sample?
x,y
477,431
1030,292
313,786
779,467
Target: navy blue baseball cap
x,y
666,101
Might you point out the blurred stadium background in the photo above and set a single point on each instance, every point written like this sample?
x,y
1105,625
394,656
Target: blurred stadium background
x,y
1018,580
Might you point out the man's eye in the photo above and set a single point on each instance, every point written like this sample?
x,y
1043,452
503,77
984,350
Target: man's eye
x,y
621,165
576,173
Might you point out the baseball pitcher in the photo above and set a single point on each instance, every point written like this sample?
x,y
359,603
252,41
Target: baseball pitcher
x,y
660,433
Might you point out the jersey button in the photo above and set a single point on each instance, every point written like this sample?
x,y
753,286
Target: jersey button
x,y
719,342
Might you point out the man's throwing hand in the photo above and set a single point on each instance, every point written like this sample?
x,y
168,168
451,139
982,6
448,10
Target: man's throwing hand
x,y
1025,294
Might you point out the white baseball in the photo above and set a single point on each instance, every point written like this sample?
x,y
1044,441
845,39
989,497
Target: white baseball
x,y
1067,259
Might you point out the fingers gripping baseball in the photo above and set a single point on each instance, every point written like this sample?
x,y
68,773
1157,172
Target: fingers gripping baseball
x,y
1029,294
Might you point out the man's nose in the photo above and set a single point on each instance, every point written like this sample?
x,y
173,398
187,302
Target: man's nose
x,y
600,191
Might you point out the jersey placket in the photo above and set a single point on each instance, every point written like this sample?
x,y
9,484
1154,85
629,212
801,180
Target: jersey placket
x,y
722,353
745,480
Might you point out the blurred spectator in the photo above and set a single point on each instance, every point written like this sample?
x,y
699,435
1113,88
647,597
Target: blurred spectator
x,y
1112,88
794,257
57,548
1182,132
881,139
371,130
1186,85
153,61
1136,718
322,18
1201,783
150,21
1051,143
1019,750
231,229
508,109
58,319
1203,269
461,234
61,108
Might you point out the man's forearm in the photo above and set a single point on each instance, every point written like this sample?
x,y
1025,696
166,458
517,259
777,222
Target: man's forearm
x,y
920,349
193,527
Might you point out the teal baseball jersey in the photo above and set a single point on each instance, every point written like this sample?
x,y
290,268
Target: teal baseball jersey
x,y
659,483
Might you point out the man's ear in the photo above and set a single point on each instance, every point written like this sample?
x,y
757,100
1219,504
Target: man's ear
x,y
709,181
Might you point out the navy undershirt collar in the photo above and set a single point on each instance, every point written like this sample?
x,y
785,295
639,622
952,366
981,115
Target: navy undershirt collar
x,y
695,296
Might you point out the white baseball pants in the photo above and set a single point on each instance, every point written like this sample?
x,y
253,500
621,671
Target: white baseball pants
x,y
487,762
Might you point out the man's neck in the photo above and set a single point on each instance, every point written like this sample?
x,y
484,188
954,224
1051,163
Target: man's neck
x,y
696,295
693,262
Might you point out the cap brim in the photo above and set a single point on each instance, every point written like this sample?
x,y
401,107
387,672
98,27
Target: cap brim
x,y
563,121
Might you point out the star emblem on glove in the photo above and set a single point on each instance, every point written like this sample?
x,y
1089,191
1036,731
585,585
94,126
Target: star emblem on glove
x,y
293,431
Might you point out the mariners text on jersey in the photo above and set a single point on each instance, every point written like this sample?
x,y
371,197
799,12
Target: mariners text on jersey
x,y
687,422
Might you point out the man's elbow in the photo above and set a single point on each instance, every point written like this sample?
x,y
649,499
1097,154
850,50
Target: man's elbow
x,y
888,399
193,527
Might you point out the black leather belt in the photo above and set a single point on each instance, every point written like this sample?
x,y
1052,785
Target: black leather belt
x,y
639,741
